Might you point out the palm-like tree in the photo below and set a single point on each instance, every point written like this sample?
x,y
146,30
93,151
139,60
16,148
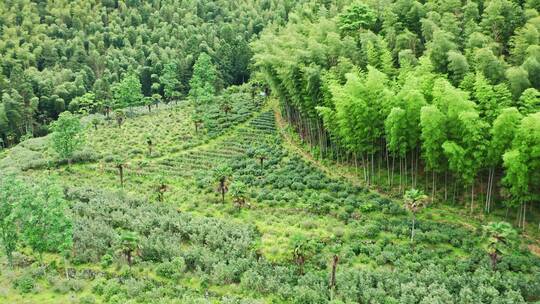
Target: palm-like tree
x,y
120,117
500,238
261,154
226,107
221,176
303,249
239,193
129,244
415,200
161,188
150,144
95,122
120,164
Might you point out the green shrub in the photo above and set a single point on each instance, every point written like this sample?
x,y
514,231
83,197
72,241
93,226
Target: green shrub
x,y
87,299
172,270
25,283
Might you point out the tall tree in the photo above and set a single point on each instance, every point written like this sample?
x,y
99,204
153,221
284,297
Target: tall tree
x,y
13,193
67,135
127,93
502,134
169,81
522,163
203,80
46,226
433,124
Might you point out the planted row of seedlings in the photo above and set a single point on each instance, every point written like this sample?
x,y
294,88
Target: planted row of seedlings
x,y
205,159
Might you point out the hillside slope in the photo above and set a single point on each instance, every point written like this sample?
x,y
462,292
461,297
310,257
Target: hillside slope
x,y
276,247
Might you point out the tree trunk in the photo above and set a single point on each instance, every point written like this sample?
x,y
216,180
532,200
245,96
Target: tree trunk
x,y
412,230
387,167
66,267
335,260
121,172
472,197
445,186
400,172
432,185
128,255
524,215
222,186
494,259
392,174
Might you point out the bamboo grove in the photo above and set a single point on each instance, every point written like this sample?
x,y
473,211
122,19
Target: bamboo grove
x,y
439,95
64,55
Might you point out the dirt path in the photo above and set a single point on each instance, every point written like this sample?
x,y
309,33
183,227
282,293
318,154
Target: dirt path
x,y
291,145
337,171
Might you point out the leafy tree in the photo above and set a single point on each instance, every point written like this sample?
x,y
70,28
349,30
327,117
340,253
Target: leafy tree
x,y
532,67
518,79
489,65
46,226
415,200
522,164
500,240
502,134
441,47
13,193
127,93
490,98
85,104
529,102
67,135
357,17
500,19
457,66
169,81
433,124
202,83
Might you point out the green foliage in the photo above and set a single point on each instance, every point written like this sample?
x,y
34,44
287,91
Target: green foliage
x,y
500,239
13,193
66,137
357,17
202,83
127,93
169,81
35,216
86,104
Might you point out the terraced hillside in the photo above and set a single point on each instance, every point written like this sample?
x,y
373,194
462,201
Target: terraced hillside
x,y
276,247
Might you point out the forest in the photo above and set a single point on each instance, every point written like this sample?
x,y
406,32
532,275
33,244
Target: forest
x,y
270,151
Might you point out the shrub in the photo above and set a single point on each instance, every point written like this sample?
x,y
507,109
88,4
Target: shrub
x,y
173,269
87,299
106,260
25,283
